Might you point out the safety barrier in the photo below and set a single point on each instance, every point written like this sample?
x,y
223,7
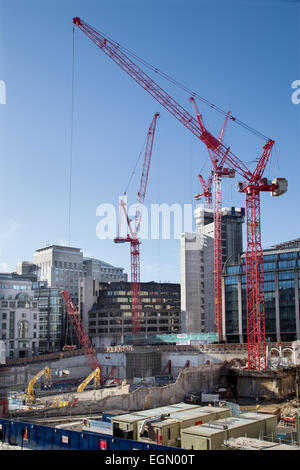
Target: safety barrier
x,y
36,437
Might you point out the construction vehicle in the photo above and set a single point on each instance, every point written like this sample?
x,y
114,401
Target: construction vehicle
x,y
29,395
94,375
254,183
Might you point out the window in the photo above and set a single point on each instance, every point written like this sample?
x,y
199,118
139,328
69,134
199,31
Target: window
x,y
233,269
23,329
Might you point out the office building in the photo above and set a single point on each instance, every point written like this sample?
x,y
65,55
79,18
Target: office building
x,y
281,286
63,267
60,266
102,271
19,316
52,317
197,265
110,316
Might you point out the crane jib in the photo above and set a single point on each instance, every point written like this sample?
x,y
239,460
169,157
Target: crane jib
x,y
209,140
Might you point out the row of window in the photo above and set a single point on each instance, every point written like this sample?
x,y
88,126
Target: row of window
x,y
15,286
20,304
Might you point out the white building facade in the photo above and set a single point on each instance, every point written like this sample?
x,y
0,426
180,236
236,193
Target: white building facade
x,y
197,265
19,316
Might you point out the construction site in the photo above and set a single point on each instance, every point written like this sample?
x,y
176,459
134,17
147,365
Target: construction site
x,y
170,392
225,390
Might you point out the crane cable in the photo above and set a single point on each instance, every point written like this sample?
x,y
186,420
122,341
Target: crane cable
x,y
71,139
135,166
185,88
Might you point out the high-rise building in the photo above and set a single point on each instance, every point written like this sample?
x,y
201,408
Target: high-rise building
x,y
197,265
60,266
281,287
63,267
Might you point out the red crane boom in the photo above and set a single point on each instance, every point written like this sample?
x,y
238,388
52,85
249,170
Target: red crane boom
x,y
132,237
81,333
252,186
206,193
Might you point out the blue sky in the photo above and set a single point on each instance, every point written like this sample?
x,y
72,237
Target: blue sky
x,y
240,55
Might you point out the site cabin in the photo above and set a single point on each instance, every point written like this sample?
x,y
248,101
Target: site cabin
x,y
211,436
125,425
219,412
268,422
167,432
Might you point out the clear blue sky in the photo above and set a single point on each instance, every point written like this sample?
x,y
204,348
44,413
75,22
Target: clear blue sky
x,y
241,55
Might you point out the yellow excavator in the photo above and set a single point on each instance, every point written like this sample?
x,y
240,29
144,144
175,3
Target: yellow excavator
x,y
94,375
29,395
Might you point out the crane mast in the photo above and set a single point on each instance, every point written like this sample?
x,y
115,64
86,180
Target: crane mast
x,y
252,186
218,171
132,236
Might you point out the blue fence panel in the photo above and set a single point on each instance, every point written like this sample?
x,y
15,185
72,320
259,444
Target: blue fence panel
x,y
45,437
12,436
49,438
56,439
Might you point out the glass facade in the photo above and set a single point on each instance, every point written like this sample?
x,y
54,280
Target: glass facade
x,y
281,294
231,304
51,324
112,313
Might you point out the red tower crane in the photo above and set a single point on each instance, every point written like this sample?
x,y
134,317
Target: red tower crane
x,y
81,332
132,237
218,171
85,341
254,184
207,192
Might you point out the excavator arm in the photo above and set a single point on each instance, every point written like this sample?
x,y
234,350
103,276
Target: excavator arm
x,y
94,375
30,388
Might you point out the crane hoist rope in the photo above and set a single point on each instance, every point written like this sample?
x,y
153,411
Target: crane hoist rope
x,y
184,87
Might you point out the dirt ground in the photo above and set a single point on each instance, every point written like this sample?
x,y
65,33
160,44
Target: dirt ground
x,y
286,408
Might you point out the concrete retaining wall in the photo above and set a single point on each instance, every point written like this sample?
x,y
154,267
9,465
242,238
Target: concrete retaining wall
x,y
19,376
277,384
202,378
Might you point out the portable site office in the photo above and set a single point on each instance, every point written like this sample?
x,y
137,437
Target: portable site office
x,y
167,431
216,411
210,436
126,425
268,422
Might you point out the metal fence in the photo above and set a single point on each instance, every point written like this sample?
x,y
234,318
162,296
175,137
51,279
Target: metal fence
x,y
36,437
